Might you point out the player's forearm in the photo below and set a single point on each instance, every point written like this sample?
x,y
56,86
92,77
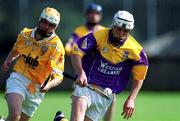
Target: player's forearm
x,y
55,82
135,89
77,63
13,54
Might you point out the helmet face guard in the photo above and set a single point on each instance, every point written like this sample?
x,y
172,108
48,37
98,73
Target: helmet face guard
x,y
51,15
123,19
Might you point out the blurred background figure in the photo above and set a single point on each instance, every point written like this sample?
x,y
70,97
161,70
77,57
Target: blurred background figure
x,y
93,14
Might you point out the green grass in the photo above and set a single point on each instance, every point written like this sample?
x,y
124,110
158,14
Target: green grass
x,y
150,106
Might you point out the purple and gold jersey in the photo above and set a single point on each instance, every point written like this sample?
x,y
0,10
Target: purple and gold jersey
x,y
79,32
39,58
110,66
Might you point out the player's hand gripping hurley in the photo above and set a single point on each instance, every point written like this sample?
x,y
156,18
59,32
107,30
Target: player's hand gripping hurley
x,y
103,92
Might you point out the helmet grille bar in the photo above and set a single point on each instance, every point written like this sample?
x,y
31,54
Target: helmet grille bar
x,y
123,19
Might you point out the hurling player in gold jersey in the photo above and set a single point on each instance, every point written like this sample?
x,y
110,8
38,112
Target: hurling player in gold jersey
x,y
39,54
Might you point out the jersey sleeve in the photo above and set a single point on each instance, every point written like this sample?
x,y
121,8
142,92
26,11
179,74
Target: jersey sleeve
x,y
22,40
19,42
69,45
140,67
85,45
57,61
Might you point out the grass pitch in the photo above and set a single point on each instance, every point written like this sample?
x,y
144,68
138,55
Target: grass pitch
x,y
150,106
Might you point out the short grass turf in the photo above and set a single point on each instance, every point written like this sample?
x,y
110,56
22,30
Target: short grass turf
x,y
150,106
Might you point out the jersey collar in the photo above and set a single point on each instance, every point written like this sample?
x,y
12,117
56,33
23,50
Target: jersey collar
x,y
46,39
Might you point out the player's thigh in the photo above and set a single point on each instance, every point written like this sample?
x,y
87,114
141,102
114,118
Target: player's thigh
x,y
79,104
14,102
32,103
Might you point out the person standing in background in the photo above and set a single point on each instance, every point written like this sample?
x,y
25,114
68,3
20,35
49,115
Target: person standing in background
x,y
92,24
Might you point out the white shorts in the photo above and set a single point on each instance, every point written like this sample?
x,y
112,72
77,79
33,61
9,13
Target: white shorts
x,y
17,83
97,104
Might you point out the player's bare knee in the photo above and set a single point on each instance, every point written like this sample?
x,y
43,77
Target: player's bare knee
x,y
81,104
14,117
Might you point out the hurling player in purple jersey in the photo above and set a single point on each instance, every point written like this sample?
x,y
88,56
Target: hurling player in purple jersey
x,y
115,55
93,17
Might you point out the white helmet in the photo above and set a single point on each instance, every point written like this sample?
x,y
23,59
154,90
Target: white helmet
x,y
123,19
51,15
